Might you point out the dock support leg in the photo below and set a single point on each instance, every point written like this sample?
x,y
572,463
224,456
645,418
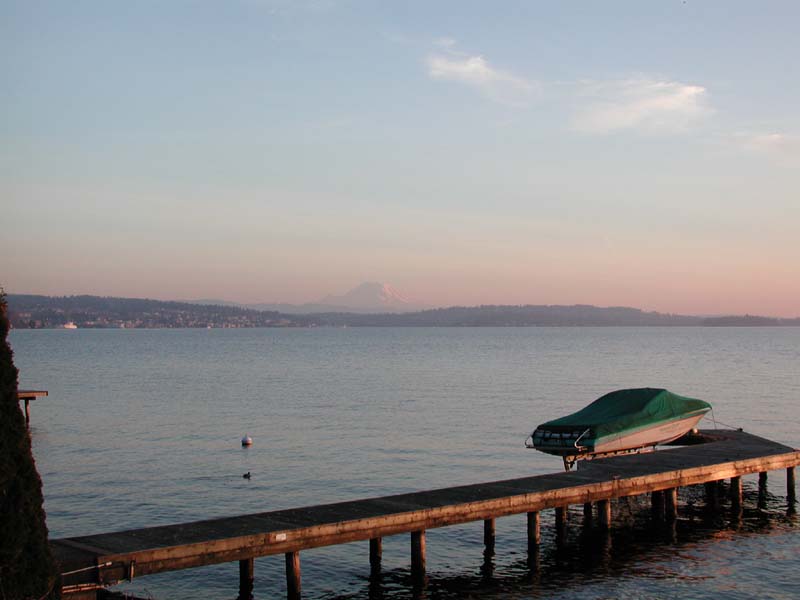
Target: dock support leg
x,y
671,504
375,555
418,555
488,536
791,494
711,495
27,412
534,532
246,575
657,505
604,513
587,514
561,522
293,587
736,494
762,489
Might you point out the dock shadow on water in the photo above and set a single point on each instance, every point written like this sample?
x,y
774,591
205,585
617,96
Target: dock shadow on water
x,y
701,555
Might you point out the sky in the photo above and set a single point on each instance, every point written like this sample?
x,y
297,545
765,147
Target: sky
x,y
641,154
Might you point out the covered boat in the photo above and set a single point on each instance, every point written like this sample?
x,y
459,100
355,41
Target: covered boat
x,y
621,421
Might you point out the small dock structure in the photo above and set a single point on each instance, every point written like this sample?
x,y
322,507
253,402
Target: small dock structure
x,y
27,396
91,562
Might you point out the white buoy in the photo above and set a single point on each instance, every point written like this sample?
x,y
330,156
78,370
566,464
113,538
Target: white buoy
x,y
247,440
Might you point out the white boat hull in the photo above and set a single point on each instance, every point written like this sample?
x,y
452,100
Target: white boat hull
x,y
661,433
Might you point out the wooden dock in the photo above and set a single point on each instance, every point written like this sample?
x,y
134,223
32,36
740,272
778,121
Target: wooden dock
x,y
27,396
94,561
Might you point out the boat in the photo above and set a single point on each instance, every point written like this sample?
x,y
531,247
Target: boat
x,y
69,325
624,421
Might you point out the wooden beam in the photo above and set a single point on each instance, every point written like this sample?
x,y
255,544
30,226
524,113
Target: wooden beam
x,y
418,555
375,554
534,530
604,513
671,504
488,536
293,584
246,577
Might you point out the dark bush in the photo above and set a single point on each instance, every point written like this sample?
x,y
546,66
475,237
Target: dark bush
x,y
26,566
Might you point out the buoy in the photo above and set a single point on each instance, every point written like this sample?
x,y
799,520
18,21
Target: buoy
x,y
247,440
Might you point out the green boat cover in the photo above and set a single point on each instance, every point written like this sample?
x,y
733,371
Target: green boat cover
x,y
629,409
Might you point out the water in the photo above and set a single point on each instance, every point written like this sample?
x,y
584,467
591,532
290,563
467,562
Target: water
x,y
143,427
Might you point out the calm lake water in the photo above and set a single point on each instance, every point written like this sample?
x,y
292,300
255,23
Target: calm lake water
x,y
143,427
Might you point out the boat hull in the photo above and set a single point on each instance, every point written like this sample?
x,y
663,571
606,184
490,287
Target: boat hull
x,y
657,433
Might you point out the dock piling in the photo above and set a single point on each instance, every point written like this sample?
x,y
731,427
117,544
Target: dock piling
x,y
791,493
418,555
604,513
293,586
587,514
246,577
561,522
671,504
375,555
488,536
736,494
762,489
657,505
534,530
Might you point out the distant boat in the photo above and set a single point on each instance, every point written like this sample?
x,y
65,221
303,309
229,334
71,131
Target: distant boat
x,y
70,325
619,422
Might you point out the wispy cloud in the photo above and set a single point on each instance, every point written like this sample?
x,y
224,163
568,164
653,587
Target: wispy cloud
x,y
782,147
475,71
640,104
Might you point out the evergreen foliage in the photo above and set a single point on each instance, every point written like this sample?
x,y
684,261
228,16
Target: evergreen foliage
x,y
26,566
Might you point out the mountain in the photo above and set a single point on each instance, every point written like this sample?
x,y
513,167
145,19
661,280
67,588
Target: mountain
x,y
372,296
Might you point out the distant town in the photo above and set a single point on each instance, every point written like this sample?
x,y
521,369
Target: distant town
x,y
81,312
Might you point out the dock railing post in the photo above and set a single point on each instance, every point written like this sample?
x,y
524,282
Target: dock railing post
x,y
293,585
246,576
418,555
375,555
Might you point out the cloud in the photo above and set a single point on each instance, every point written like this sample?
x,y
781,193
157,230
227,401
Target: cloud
x,y
777,143
641,104
476,72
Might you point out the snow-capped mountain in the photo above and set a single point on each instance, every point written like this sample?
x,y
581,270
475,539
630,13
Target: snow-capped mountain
x,y
371,296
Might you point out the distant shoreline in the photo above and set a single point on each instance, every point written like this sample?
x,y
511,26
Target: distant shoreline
x,y
95,312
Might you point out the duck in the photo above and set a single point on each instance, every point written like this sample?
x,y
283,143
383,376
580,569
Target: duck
x,y
246,475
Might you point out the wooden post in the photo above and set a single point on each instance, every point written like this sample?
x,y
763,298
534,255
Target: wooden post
x,y
736,494
561,522
657,505
791,494
534,533
711,495
246,576
375,554
418,555
587,514
488,536
762,489
604,513
293,587
27,412
671,504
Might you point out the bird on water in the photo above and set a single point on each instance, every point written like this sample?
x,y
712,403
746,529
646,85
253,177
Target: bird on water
x,y
246,475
